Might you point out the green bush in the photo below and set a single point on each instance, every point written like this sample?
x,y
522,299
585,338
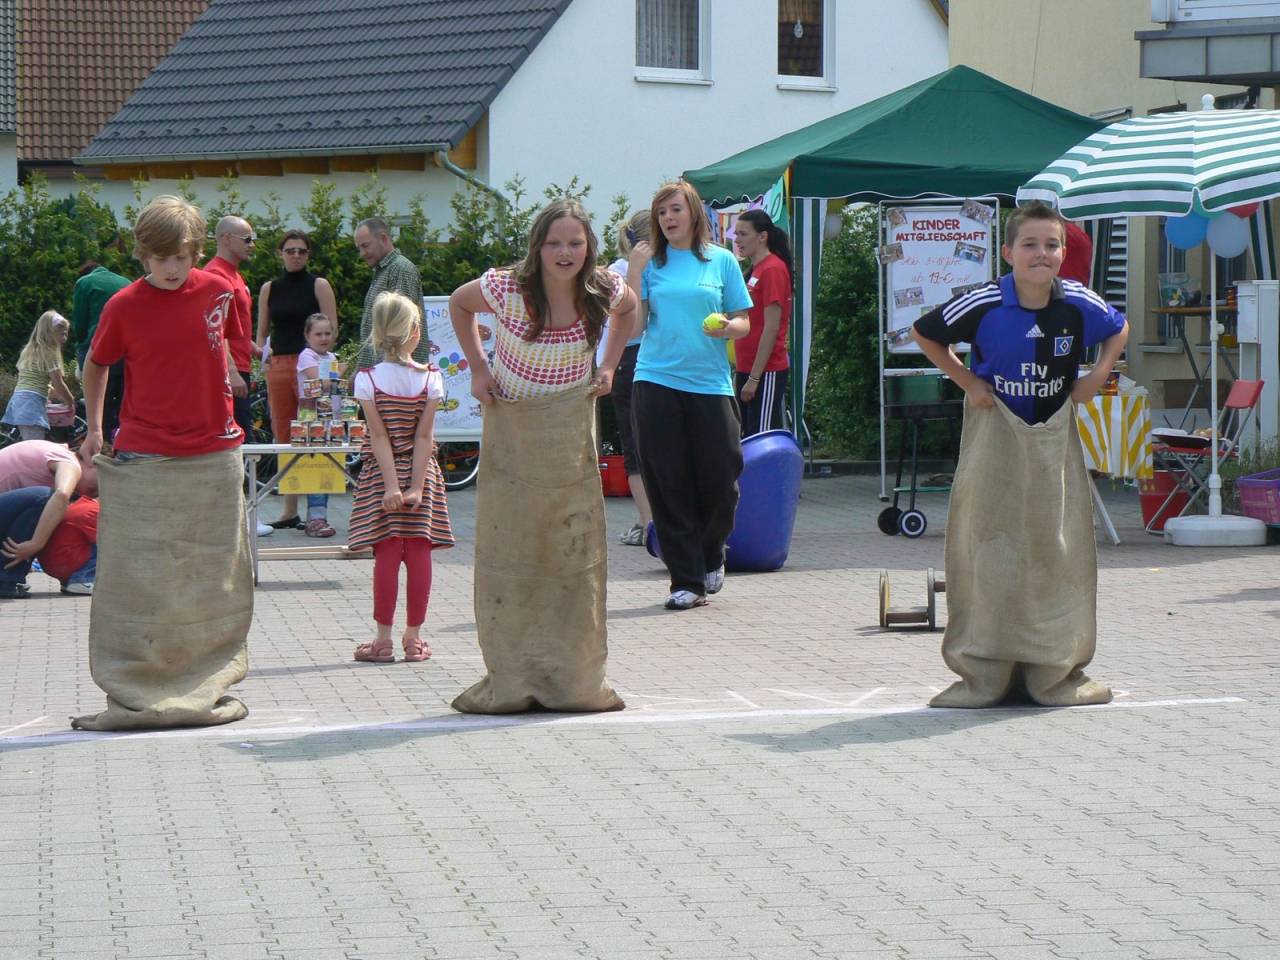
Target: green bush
x,y
43,241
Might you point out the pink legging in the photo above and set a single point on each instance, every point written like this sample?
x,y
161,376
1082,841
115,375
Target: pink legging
x,y
387,555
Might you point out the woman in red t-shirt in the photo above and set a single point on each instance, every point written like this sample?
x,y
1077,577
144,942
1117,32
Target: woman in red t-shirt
x,y
761,356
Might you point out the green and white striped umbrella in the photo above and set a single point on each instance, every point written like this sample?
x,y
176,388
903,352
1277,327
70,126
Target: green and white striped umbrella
x,y
1168,164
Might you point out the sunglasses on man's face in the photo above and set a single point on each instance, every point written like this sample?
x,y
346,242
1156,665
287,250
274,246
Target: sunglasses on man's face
x,y
296,251
249,238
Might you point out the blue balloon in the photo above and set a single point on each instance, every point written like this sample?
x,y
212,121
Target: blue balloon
x,y
1187,232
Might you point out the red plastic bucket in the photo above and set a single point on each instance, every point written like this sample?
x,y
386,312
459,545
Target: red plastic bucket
x,y
613,476
1152,493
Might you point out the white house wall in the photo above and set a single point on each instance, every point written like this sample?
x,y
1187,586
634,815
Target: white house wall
x,y
575,108
8,162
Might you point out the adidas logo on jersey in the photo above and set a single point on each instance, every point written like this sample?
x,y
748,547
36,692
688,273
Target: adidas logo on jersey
x,y
1035,331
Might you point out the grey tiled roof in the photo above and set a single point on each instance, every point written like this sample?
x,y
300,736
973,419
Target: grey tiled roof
x,y
8,68
299,77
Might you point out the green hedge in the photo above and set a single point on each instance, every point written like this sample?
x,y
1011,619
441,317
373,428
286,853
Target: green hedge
x,y
44,240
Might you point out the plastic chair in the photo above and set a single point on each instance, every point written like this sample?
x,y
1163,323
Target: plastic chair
x,y
1189,463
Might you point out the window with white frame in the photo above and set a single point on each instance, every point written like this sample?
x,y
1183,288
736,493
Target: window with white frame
x,y
805,45
671,40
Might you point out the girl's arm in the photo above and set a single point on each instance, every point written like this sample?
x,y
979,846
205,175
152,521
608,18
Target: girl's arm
x,y
60,388
392,499
768,337
641,254
309,373
464,304
423,444
621,321
737,327
264,316
65,479
328,303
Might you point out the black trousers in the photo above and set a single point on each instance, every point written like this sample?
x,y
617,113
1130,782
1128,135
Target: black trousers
x,y
241,409
690,458
764,412
113,400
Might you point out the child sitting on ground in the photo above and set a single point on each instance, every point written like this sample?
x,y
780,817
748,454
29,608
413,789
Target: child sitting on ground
x,y
71,555
1021,560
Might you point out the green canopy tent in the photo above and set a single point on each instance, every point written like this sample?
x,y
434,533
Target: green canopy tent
x,y
957,134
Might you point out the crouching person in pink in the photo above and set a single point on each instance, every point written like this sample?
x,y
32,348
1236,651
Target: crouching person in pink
x,y
174,593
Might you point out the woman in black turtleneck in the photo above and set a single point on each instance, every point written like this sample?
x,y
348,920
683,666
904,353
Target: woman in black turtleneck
x,y
283,307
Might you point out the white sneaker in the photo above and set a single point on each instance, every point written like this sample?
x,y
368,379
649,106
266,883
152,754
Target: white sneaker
x,y
715,580
265,529
80,589
685,600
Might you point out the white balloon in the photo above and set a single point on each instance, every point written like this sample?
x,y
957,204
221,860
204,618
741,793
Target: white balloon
x,y
1228,235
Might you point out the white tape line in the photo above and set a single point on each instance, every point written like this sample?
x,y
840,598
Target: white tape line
x,y
29,723
461,723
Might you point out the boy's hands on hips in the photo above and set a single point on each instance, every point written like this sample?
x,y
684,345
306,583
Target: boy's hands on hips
x,y
980,394
1087,387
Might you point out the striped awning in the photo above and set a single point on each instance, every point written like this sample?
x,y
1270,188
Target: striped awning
x,y
1169,164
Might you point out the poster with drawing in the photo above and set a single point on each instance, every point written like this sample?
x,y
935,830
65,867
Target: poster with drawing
x,y
928,255
459,414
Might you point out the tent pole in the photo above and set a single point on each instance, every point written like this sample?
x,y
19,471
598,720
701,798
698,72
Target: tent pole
x,y
1215,481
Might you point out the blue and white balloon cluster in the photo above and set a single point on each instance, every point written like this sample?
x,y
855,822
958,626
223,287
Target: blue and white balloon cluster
x,y
1227,232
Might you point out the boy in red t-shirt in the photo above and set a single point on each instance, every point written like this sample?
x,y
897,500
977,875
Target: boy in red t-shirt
x,y
173,599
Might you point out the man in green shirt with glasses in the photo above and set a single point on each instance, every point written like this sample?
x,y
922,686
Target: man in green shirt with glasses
x,y
391,271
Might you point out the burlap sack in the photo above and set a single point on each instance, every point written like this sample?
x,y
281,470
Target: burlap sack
x,y
541,560
1022,563
174,593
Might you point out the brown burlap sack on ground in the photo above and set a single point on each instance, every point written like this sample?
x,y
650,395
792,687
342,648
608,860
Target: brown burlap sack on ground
x,y
174,593
1022,563
541,560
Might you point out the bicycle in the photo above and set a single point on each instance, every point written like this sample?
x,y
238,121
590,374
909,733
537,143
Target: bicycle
x,y
459,462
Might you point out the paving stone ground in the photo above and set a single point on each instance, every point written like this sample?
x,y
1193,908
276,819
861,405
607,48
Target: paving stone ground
x,y
775,790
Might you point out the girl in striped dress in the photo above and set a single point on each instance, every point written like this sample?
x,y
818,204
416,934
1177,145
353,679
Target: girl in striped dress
x,y
399,507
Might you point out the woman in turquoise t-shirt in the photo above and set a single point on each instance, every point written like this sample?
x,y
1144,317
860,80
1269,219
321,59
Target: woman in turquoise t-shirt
x,y
686,421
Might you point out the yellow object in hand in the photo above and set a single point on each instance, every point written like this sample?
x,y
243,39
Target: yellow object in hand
x,y
714,321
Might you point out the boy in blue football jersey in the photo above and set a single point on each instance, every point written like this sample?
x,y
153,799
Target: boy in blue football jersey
x,y
1021,557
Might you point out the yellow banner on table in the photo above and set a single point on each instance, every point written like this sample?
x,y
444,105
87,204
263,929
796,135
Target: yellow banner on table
x,y
313,473
1115,432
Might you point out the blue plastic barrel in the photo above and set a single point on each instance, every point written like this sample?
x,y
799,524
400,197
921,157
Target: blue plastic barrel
x,y
772,468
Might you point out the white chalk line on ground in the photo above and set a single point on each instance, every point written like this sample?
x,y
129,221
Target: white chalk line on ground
x,y
458,723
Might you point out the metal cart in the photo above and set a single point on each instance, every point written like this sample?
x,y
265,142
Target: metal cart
x,y
912,400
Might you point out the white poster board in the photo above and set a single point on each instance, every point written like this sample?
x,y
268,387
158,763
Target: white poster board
x,y
929,255
459,416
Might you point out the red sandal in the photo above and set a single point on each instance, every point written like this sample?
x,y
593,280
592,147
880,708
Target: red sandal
x,y
372,653
416,650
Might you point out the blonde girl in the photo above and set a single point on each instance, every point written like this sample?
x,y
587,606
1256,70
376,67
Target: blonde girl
x,y
399,507
39,370
635,230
